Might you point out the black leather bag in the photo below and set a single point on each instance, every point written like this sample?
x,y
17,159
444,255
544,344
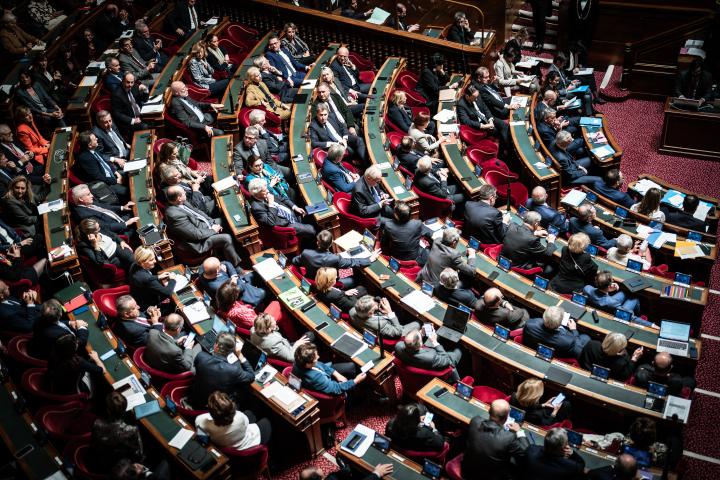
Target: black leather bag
x,y
103,193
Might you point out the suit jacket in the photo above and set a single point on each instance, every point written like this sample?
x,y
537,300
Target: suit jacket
x,y
489,450
570,170
193,198
567,343
314,260
108,29
523,248
441,257
22,215
539,107
341,106
546,132
135,64
111,82
274,144
182,112
410,159
333,174
468,115
548,215
683,84
621,366
278,87
603,473
6,176
10,154
493,100
388,324
146,288
429,84
193,233
17,316
347,12
249,293
621,198
321,382
484,222
213,373
401,240
14,44
106,147
88,168
98,257
122,111
242,152
134,333
596,235
143,49
105,221
339,299
646,373
569,279
274,345
180,17
540,465
362,202
30,138
685,220
458,34
268,216
345,75
277,61
401,116
163,353
22,97
431,185
4,245
433,359
503,316
44,337
320,135
454,297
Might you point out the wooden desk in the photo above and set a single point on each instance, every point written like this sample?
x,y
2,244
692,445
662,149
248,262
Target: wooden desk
x,y
607,163
381,376
245,231
690,134
403,467
713,215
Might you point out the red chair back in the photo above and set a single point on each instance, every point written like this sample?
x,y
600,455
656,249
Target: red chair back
x,y
19,350
319,155
186,256
239,32
412,99
488,394
159,378
252,462
348,221
66,422
103,275
395,139
280,238
232,47
454,468
198,94
177,390
102,102
471,136
158,144
331,406
77,453
392,128
482,152
433,207
167,40
35,384
407,80
361,63
413,379
74,179
18,288
420,457
106,299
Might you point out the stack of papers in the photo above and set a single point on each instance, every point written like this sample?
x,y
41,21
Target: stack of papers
x,y
447,95
88,81
522,101
96,65
212,21
480,34
697,52
674,198
224,184
540,165
269,269
293,298
643,185
196,312
597,137
181,438
657,240
575,103
526,80
449,128
378,16
604,151
181,282
528,64
53,206
688,250
60,251
574,198
418,301
154,108
349,240
585,71
694,43
594,122
444,115
674,405
38,48
702,210
111,51
154,100
135,165
135,395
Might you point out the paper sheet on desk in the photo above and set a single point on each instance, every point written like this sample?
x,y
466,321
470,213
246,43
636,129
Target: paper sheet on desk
x,y
181,282
349,240
437,235
540,165
522,101
418,301
696,51
267,368
135,165
574,198
135,386
399,190
676,200
212,21
155,99
196,312
688,250
675,405
286,395
44,208
181,438
96,65
642,186
702,210
444,115
224,184
446,95
384,165
585,71
158,108
88,82
135,400
268,269
361,449
529,64
111,51
449,128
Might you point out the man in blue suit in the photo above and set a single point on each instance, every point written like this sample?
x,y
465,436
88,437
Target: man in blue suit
x,y
147,47
335,173
610,189
214,273
28,246
285,63
132,327
548,330
51,326
15,315
574,172
327,378
538,203
686,219
111,145
110,217
583,223
548,126
90,166
409,157
608,296
113,77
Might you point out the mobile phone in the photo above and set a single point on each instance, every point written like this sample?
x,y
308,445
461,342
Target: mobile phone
x,y
693,352
441,392
24,451
529,295
558,400
629,334
189,339
428,418
264,377
384,174
387,284
321,326
493,276
144,199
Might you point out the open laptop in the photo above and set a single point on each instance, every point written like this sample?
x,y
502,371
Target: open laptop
x,y
207,339
686,103
454,324
674,337
682,280
655,396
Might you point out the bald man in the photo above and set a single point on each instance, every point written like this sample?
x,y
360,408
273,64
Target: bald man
x,y
214,273
660,372
166,350
548,215
625,468
197,116
348,74
493,309
491,449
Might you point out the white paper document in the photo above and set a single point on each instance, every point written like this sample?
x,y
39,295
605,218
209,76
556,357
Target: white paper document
x,y
378,16
449,128
367,367
181,438
399,190
155,99
212,21
349,240
522,101
286,395
687,253
196,312
585,71
224,184
127,34
361,449
540,165
157,108
480,34
676,405
676,200
135,165
643,185
268,269
702,210
696,51
694,43
88,82
267,368
96,65
418,301
135,386
574,198
181,282
444,115
135,400
384,165
53,206
530,63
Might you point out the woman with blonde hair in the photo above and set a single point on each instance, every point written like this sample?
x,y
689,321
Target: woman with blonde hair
x,y
257,94
611,353
527,398
169,156
650,205
297,48
20,205
345,300
401,115
264,335
102,247
147,287
201,72
575,264
357,109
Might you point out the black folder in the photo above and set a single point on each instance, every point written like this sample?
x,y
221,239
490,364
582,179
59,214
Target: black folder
x,y
575,310
558,375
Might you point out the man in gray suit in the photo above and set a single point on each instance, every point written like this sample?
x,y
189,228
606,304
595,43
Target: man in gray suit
x,y
131,62
194,115
433,357
164,350
111,145
197,231
252,144
444,255
368,315
493,309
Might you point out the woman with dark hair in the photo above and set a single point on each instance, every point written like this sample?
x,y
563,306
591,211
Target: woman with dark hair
x,y
51,82
67,64
217,56
650,205
102,247
408,430
550,82
113,438
69,373
88,49
231,428
231,308
577,55
275,181
432,80
425,143
297,48
38,101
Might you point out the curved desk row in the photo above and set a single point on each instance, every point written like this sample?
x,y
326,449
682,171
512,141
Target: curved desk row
x,y
713,214
403,467
604,163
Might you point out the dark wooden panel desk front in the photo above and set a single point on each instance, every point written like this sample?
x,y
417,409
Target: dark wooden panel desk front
x,y
690,134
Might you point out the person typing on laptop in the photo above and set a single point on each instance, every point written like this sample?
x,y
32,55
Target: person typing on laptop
x,y
694,83
608,296
660,371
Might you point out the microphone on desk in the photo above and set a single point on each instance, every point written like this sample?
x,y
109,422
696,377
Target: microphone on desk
x,y
509,184
380,338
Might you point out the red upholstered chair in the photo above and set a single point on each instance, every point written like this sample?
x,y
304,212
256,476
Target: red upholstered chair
x,y
391,127
102,102
167,40
252,462
471,136
19,350
412,98
186,256
362,64
403,263
237,52
35,384
407,80
198,94
18,288
411,272
106,299
283,239
499,179
662,271
432,207
240,32
272,121
482,152
487,394
66,422
420,457
106,275
77,453
454,468
180,130
413,379
159,378
177,390
158,144
395,139
331,407
566,424
493,253
348,221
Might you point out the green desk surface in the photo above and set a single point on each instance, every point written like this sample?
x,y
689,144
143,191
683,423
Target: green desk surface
x,y
401,471
236,84
165,79
231,202
54,167
20,434
526,144
140,188
375,146
665,187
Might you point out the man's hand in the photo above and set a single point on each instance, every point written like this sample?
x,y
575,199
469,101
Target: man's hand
x,y
369,12
351,293
195,186
120,162
47,178
508,306
125,245
567,449
442,175
289,80
637,353
506,218
541,233
217,228
470,252
154,315
180,32
382,470
128,206
28,298
270,199
433,338
614,287
551,238
571,325
238,352
299,210
385,306
413,28
120,178
27,241
136,120
374,256
284,106
360,378
208,130
583,169
514,427
131,221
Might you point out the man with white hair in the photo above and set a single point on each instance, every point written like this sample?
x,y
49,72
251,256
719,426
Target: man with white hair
x,y
368,200
548,126
574,172
444,254
252,144
273,79
326,129
431,356
523,247
335,173
436,185
147,47
277,143
548,216
199,116
117,219
583,223
548,330
447,290
555,459
273,211
170,175
625,250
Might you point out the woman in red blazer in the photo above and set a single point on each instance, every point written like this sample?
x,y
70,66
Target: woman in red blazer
x,y
29,135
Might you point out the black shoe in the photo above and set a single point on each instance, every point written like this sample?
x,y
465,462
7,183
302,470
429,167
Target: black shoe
x,y
599,101
375,398
339,462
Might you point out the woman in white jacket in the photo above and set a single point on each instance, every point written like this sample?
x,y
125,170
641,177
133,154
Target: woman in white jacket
x,y
231,428
265,335
508,77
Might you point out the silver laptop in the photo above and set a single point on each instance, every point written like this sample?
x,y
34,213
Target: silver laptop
x,y
686,103
674,337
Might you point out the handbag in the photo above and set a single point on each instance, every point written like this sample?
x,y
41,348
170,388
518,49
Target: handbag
x,y
184,150
103,193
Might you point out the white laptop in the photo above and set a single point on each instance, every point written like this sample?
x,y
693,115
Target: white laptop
x,y
674,337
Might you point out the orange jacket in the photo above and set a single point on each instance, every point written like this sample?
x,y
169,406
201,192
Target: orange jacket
x,y
31,139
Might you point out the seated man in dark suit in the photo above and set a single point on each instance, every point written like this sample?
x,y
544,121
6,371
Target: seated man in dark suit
x,y
474,113
325,129
548,125
448,291
548,215
198,116
625,468
460,31
436,185
132,327
18,315
607,296
16,152
409,157
548,330
522,245
272,211
431,356
274,81
549,100
9,169
29,247
492,309
164,350
113,73
50,327
660,372
330,379
685,219
483,221
314,260
401,236
348,74
285,63
349,11
554,460
170,176
610,189
368,201
338,110
184,20
402,26
252,144
335,173
126,101
277,144
444,254
91,167
214,372
147,47
111,145
213,273
574,172
109,217
110,25
694,83
500,107
583,223
145,72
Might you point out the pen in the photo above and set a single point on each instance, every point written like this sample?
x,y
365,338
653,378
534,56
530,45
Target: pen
x,y
118,366
531,437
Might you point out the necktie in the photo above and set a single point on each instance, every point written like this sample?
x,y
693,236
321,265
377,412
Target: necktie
x,y
195,109
106,212
330,132
348,177
693,87
255,150
480,114
194,18
287,62
193,212
285,212
374,192
336,111
352,77
137,61
157,53
268,98
136,111
108,172
116,140
16,151
493,92
142,320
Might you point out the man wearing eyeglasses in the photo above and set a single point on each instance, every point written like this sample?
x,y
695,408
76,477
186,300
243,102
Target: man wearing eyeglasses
x,y
195,115
290,69
147,47
348,74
